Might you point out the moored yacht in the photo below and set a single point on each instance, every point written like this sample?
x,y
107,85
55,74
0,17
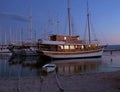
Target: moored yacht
x,y
69,46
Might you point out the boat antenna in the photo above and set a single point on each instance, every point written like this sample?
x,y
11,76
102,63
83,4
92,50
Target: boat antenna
x,y
88,21
69,17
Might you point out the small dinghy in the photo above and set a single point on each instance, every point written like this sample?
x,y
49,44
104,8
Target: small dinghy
x,y
49,68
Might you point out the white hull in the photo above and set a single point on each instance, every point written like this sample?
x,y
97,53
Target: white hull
x,y
4,51
69,55
49,68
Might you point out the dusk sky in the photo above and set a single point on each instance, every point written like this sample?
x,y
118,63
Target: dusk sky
x,y
104,14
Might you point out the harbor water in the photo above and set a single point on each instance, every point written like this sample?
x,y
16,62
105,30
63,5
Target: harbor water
x,y
32,66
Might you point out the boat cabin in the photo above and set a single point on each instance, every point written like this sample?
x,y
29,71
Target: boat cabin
x,y
67,39
64,43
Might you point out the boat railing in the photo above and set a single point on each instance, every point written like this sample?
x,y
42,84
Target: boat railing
x,y
91,42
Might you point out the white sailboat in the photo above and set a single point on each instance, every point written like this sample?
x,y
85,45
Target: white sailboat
x,y
3,47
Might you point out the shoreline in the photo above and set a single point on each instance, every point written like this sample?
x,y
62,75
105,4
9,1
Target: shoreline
x,y
91,82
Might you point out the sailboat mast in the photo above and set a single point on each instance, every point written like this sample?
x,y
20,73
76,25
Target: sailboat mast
x,y
88,21
30,29
69,17
21,36
5,39
10,35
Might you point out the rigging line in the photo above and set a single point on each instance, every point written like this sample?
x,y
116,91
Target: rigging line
x,y
58,23
48,26
72,25
65,27
85,32
106,41
95,37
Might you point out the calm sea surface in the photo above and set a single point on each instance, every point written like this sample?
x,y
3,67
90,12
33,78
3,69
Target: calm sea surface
x,y
31,66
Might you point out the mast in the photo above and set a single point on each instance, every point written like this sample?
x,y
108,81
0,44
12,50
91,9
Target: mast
x,y
88,22
10,35
30,34
5,38
69,17
0,35
35,35
21,36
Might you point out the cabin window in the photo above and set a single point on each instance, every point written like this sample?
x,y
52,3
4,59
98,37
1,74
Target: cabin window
x,y
72,47
64,38
76,46
61,47
82,47
78,38
96,44
66,47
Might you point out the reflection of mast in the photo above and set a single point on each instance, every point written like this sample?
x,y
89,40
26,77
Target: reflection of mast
x,y
69,17
88,21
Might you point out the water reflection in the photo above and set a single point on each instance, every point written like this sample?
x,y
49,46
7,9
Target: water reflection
x,y
5,56
78,66
11,66
28,66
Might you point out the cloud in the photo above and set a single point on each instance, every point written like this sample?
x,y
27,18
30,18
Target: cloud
x,y
16,17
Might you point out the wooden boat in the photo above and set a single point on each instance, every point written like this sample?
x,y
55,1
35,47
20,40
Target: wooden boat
x,y
68,46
